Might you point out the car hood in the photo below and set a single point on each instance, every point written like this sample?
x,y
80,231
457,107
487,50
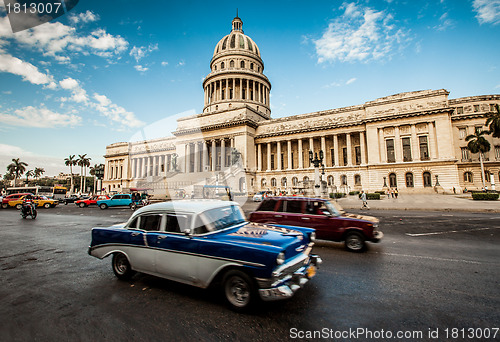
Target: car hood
x,y
360,217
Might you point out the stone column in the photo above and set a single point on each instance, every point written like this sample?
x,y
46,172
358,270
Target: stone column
x,y
362,147
253,90
414,144
222,154
336,150
196,156
214,154
300,157
268,157
241,88
382,147
349,149
311,148
204,162
143,167
259,157
397,145
289,154
155,166
323,148
278,155
433,152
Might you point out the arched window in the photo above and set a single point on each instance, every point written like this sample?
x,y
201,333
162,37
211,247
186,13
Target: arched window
x,y
222,65
283,181
357,180
330,180
263,182
295,181
231,64
242,64
427,179
242,184
409,180
393,183
224,44
468,178
215,67
343,180
273,182
233,41
487,175
251,66
305,181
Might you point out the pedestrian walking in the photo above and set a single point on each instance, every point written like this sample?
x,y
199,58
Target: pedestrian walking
x,y
363,199
392,193
396,193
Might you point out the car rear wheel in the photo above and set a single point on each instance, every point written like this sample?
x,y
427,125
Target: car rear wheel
x,y
354,242
46,205
121,266
81,205
19,206
103,206
132,206
5,205
239,290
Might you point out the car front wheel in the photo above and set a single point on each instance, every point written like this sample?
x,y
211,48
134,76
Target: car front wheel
x,y
354,242
103,206
121,266
81,205
5,205
239,290
19,206
46,205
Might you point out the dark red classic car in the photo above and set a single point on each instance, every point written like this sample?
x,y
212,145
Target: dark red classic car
x,y
327,217
90,201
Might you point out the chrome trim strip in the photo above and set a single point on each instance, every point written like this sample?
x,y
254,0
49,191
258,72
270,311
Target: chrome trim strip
x,y
176,251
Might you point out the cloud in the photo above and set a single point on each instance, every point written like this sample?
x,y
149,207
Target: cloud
x,y
141,68
352,80
142,51
445,23
181,63
27,71
115,113
164,63
39,117
79,94
359,34
488,11
86,17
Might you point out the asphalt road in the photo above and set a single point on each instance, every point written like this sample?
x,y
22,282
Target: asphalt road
x,y
433,271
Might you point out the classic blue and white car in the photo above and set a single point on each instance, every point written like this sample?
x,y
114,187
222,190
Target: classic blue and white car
x,y
210,242
118,200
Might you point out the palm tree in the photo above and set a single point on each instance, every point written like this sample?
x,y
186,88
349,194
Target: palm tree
x,y
494,122
478,144
38,172
83,162
29,173
17,168
71,161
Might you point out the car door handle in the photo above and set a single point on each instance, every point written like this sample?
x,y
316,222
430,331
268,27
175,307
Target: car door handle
x,y
306,218
135,234
278,215
161,237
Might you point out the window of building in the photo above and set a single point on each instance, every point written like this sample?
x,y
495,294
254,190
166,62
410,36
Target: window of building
x,y
332,156
465,153
427,179
393,183
283,181
273,182
263,182
476,108
282,160
478,129
468,178
295,181
409,180
305,181
424,148
292,166
357,180
215,67
272,161
251,66
344,156
343,180
242,64
406,149
222,65
357,151
462,132
231,64
497,152
233,41
224,44
330,180
492,107
460,110
487,175
391,157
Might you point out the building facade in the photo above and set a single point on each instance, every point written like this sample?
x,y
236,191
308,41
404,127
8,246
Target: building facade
x,y
412,141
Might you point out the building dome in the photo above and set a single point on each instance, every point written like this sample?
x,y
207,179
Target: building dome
x,y
236,77
237,42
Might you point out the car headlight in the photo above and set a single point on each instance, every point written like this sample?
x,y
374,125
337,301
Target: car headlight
x,y
312,237
281,258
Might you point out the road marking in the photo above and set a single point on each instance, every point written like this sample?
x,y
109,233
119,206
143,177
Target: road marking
x,y
452,231
431,258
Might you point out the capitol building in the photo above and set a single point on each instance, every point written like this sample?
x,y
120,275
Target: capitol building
x,y
412,141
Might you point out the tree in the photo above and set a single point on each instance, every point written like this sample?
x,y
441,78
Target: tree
x,y
29,174
478,144
71,161
16,168
38,172
493,122
83,162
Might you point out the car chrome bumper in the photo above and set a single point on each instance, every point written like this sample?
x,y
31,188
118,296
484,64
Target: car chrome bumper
x,y
288,285
377,236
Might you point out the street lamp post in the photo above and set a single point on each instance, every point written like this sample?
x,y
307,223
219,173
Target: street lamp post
x,y
99,173
313,158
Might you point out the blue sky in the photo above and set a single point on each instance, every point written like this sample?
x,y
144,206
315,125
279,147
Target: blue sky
x,y
108,71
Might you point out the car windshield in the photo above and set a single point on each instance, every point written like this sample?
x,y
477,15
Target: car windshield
x,y
224,217
334,208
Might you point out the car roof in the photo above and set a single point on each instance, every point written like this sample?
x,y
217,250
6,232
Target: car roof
x,y
193,206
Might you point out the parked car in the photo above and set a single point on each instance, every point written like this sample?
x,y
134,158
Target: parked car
x,y
13,197
327,217
40,201
208,242
259,196
70,199
82,203
118,200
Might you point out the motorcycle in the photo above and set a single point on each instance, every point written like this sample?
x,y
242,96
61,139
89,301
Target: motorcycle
x,y
28,208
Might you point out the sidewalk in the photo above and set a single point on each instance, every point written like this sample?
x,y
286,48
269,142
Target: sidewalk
x,y
424,202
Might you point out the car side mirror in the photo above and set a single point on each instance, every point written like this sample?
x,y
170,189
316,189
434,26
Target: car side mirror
x,y
187,232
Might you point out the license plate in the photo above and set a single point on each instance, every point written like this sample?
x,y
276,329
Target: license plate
x,y
311,271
